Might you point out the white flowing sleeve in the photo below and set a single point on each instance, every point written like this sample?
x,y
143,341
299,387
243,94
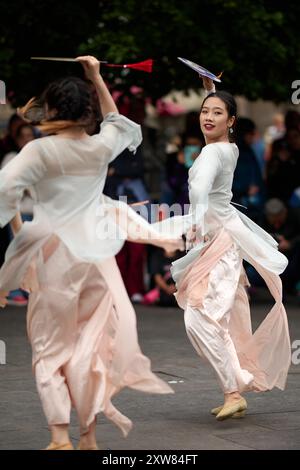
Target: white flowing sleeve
x,y
202,175
119,133
23,171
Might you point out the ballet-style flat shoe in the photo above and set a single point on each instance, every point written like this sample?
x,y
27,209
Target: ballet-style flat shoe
x,y
55,446
237,415
215,411
229,410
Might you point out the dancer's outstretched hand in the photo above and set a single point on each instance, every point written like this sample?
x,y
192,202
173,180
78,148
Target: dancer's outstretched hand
x,y
191,237
91,66
208,84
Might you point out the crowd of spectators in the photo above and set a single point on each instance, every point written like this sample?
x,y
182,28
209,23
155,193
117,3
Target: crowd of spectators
x,y
266,185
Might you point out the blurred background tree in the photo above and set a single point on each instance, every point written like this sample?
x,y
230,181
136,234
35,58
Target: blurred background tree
x,y
255,42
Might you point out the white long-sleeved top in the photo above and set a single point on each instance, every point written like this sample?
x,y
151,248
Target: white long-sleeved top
x,y
210,183
66,177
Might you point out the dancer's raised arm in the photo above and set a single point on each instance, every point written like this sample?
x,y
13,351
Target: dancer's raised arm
x,y
91,67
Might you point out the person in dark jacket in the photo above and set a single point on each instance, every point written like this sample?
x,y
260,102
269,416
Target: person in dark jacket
x,y
248,188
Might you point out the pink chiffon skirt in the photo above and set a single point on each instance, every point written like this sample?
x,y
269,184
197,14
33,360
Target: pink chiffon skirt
x,y
266,353
82,329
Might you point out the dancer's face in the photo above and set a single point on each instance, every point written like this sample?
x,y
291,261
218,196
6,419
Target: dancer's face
x,y
214,120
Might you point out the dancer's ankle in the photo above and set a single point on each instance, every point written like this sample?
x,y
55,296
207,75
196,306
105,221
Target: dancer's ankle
x,y
60,434
88,439
87,442
231,397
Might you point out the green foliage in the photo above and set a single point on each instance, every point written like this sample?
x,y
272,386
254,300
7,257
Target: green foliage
x,y
35,28
255,42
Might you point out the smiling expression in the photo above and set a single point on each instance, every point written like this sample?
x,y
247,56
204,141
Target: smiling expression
x,y
214,120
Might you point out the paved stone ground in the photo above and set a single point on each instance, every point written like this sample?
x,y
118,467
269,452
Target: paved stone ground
x,y
179,421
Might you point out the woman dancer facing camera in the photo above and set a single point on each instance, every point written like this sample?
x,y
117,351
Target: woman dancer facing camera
x,y
80,322
211,280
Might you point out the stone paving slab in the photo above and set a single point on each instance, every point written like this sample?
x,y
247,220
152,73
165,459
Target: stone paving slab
x,y
178,421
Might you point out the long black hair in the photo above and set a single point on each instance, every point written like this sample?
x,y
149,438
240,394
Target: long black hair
x,y
70,101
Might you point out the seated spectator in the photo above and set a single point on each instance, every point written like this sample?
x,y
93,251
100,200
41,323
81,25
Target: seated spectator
x,y
284,225
283,169
274,132
258,147
191,148
164,287
172,147
247,188
177,165
125,179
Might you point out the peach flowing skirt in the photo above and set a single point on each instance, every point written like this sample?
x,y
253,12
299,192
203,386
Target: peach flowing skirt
x,y
266,353
82,329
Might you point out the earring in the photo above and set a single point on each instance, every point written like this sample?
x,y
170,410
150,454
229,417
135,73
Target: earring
x,y
230,130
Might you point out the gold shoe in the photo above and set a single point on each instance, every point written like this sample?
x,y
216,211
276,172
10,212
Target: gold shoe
x,y
229,410
55,446
237,415
216,411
